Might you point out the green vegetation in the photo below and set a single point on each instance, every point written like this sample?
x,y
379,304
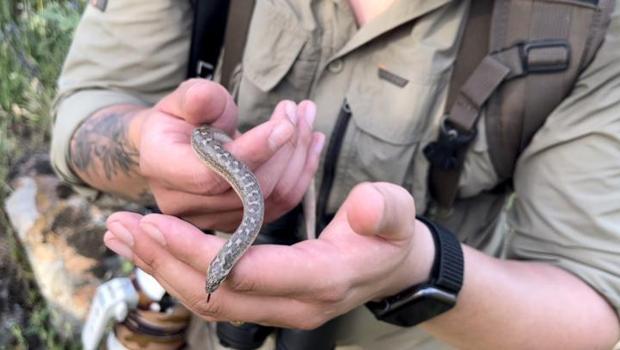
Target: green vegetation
x,y
34,38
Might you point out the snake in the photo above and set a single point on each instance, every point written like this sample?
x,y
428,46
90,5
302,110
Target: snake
x,y
206,143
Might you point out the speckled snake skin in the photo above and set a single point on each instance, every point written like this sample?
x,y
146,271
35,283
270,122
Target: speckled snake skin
x,y
237,174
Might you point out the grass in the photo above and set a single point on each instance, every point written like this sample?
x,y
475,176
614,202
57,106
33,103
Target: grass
x,y
34,38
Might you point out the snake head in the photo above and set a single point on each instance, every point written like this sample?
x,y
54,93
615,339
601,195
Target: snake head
x,y
215,277
213,284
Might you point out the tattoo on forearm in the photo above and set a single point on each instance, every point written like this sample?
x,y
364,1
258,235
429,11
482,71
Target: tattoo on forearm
x,y
104,138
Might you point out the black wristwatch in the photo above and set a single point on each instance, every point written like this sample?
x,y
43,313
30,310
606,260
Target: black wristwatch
x,y
427,300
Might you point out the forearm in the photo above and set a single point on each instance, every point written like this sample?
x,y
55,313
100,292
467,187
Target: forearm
x,y
104,152
525,305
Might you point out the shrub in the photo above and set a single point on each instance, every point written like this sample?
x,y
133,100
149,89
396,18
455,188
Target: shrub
x,y
34,38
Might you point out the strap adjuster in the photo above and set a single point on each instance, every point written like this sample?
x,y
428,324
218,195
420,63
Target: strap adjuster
x,y
204,70
445,152
544,56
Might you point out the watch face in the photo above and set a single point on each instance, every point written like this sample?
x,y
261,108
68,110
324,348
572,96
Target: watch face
x,y
422,305
419,311
426,292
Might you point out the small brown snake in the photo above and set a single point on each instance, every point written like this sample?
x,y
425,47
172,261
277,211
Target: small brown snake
x,y
206,144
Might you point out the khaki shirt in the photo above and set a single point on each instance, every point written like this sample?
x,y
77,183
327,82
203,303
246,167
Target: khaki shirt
x,y
566,208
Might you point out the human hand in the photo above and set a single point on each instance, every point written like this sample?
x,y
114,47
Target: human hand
x,y
283,153
373,248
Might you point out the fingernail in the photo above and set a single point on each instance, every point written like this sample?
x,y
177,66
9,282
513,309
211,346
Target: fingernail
x,y
121,233
280,134
318,145
154,233
116,245
310,113
291,111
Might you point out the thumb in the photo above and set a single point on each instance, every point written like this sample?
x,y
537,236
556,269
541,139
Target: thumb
x,y
200,101
381,209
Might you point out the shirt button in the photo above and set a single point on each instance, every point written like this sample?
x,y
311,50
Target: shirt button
x,y
336,66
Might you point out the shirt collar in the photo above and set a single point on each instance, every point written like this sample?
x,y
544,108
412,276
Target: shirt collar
x,y
401,12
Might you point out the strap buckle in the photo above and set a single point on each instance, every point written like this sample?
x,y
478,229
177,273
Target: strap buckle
x,y
204,70
544,56
446,151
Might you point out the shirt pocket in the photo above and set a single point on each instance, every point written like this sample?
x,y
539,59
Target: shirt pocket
x,y
279,62
388,122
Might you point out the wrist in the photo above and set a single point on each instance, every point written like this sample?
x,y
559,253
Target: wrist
x,y
105,152
425,251
422,301
136,121
423,254
417,266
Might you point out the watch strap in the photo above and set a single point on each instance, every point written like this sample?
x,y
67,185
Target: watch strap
x,y
424,301
448,266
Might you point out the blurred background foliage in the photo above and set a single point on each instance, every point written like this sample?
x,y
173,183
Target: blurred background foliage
x,y
34,38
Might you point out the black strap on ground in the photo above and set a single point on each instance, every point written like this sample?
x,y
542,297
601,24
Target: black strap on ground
x,y
207,37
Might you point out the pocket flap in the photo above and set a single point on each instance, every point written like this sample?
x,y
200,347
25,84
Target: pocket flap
x,y
393,114
275,41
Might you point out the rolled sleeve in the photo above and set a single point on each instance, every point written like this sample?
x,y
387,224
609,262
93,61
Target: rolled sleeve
x,y
567,182
134,52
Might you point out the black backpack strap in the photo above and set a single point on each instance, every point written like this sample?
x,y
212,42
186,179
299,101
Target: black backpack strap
x,y
555,41
217,24
207,37
537,49
450,148
236,35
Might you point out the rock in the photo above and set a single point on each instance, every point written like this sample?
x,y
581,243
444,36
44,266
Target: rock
x,y
21,206
61,233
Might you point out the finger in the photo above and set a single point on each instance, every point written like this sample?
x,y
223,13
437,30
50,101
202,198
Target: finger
x,y
270,172
122,241
268,142
148,251
255,147
182,239
117,245
187,283
296,163
380,209
177,166
229,305
268,270
317,261
296,194
200,101
127,219
224,304
177,203
255,271
167,158
225,221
